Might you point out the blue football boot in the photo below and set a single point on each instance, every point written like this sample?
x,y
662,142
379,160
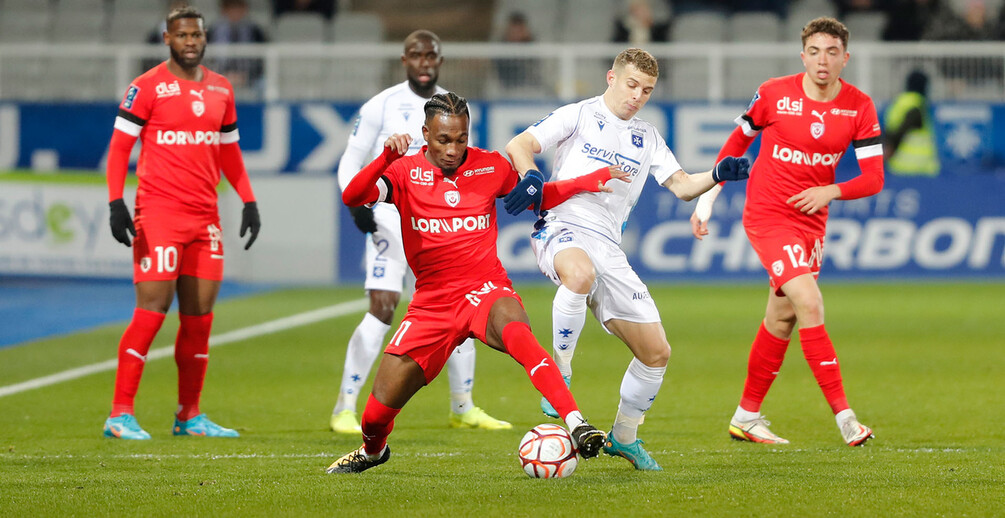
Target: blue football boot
x,y
201,426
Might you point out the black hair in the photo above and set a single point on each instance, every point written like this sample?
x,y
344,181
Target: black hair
x,y
185,11
917,81
446,104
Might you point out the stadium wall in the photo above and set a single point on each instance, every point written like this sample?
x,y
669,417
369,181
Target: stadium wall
x,y
947,227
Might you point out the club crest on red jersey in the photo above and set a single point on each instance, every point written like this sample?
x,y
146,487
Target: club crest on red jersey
x,y
817,129
452,198
198,108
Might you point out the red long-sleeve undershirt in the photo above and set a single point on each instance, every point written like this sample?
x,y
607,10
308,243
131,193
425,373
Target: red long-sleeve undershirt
x,y
868,183
121,146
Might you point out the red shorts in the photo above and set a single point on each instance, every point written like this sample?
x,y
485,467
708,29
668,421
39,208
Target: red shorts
x,y
787,253
170,243
429,332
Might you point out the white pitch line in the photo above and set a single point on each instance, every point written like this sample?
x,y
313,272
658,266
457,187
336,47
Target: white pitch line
x,y
272,326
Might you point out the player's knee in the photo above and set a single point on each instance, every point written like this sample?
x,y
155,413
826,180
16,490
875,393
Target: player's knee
x,y
658,356
579,280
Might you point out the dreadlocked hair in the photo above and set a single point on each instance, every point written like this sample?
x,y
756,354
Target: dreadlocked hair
x,y
446,104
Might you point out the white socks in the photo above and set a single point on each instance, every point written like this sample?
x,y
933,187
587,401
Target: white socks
x,y
461,374
364,346
568,315
745,415
638,390
574,419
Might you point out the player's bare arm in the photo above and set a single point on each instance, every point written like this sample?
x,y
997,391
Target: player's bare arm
x,y
689,186
815,198
521,150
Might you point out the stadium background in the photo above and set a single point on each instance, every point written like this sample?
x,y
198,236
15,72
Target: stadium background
x,y
912,278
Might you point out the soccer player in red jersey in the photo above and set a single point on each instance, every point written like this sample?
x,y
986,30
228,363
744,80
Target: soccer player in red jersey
x,y
806,122
184,115
446,196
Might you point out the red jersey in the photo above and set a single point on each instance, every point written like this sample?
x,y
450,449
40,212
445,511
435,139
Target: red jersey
x,y
181,125
448,225
802,141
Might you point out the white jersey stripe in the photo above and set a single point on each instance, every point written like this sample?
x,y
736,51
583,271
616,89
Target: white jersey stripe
x,y
229,137
869,151
128,127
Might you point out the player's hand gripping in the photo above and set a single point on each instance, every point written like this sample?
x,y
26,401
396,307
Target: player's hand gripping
x,y
731,169
121,221
250,220
398,144
527,192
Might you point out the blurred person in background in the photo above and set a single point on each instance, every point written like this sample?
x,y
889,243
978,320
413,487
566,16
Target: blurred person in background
x,y
517,72
639,27
909,147
234,26
398,109
326,8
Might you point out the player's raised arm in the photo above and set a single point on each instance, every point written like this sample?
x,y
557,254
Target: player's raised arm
x,y
363,189
530,190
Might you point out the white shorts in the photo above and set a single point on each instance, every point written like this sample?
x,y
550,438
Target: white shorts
x,y
385,256
617,292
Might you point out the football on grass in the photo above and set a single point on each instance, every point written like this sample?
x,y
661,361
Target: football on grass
x,y
546,451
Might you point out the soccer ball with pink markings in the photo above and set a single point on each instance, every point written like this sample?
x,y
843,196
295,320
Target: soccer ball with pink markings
x,y
546,451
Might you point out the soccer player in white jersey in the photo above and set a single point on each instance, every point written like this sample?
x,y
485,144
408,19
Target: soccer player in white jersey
x,y
577,242
397,109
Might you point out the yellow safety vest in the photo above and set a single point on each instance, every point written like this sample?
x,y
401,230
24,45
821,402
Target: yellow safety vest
x,y
917,154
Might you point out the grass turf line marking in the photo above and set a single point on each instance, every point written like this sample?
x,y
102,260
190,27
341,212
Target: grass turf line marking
x,y
272,326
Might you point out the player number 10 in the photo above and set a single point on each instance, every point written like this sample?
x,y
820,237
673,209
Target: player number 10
x,y
796,250
167,258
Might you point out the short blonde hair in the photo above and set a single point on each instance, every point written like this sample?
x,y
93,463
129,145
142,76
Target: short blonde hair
x,y
643,61
826,25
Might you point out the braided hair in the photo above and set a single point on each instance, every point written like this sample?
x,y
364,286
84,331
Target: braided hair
x,y
446,104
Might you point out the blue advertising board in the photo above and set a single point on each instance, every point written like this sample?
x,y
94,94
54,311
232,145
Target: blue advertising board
x,y
949,226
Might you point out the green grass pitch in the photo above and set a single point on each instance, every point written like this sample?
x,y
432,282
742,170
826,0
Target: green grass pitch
x,y
923,364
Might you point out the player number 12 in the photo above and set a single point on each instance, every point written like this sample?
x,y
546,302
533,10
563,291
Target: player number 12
x,y
794,250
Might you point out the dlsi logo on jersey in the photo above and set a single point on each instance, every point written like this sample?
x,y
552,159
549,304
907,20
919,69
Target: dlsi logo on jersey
x,y
787,106
420,177
167,89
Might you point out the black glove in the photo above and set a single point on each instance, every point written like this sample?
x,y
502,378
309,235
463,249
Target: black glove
x,y
528,192
363,217
250,221
731,169
121,222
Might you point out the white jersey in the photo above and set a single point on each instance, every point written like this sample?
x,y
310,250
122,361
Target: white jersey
x,y
395,110
589,136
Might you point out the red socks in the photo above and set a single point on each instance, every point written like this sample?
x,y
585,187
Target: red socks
x,y
819,353
526,350
191,354
377,423
133,348
766,355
